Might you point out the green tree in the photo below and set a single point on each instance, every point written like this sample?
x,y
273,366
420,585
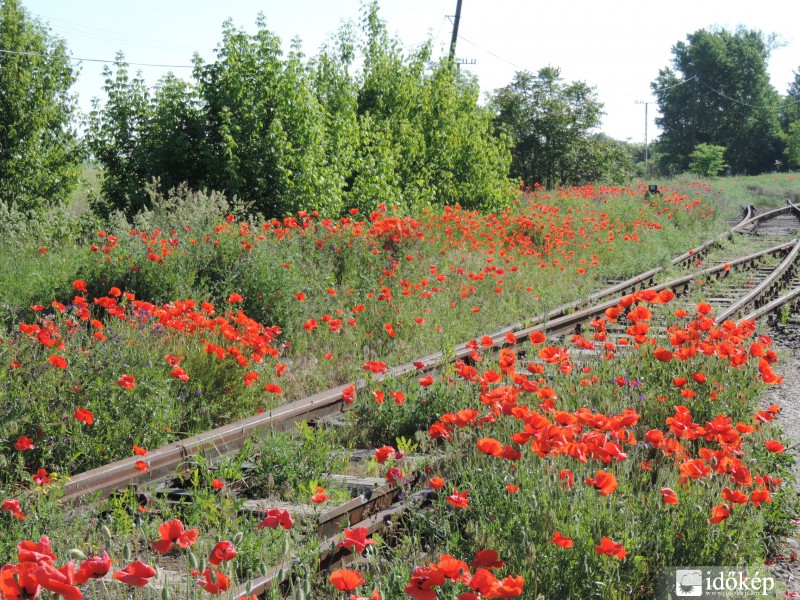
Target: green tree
x,y
551,124
719,93
707,160
39,152
792,151
283,133
264,125
114,134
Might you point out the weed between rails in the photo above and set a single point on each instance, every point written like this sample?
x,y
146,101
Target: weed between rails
x,y
126,360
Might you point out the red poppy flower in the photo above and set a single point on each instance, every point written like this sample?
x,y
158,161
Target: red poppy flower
x,y
214,582
222,552
393,475
138,450
173,532
383,453
85,415
537,338
423,580
487,559
301,297
375,596
512,489
760,495
346,580
566,477
94,567
508,587
356,539
453,569
277,517
41,477
58,361
136,574
490,446
24,443
560,540
662,354
611,548
668,496
142,466
348,394
603,481
79,285
376,366
719,513
17,582
774,446
458,499
126,381
235,298
320,496
180,373
60,581
426,381
217,484
36,552
13,506
436,483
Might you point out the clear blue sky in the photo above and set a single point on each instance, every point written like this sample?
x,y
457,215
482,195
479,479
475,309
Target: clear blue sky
x,y
618,46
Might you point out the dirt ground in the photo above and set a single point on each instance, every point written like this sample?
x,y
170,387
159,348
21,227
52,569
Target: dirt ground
x,y
787,344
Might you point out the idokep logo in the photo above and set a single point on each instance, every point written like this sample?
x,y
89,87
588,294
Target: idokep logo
x,y
689,582
715,582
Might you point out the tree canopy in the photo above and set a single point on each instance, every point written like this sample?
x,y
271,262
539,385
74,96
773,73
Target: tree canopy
x,y
285,133
38,148
718,92
552,125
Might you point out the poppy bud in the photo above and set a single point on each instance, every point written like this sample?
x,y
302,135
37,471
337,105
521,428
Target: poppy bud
x,y
286,546
193,563
77,553
165,593
299,594
238,538
106,532
126,552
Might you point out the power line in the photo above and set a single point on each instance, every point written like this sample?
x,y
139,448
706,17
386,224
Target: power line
x,y
776,107
695,78
98,60
685,81
461,37
104,34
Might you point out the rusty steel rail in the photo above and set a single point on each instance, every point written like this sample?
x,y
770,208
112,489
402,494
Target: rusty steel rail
x,y
771,284
706,247
330,556
757,219
572,322
792,297
162,462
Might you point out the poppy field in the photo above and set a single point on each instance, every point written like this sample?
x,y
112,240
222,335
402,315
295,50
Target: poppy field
x,y
576,469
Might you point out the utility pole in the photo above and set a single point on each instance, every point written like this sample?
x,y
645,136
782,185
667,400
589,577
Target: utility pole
x,y
694,107
455,32
645,130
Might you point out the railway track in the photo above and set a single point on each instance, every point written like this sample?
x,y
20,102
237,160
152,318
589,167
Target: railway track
x,y
759,282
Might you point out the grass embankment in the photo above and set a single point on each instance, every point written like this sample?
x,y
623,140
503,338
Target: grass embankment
x,y
301,304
